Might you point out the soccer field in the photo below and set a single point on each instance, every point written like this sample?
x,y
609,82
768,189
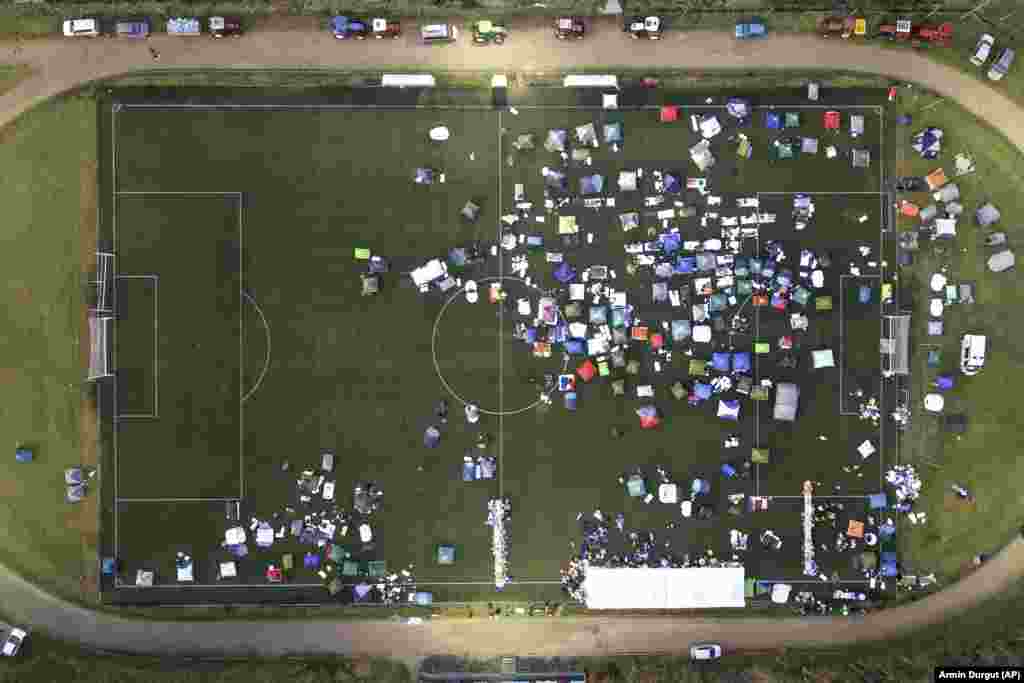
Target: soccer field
x,y
243,342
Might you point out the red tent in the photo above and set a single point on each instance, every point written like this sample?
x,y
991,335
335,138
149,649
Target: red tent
x,y
657,340
831,120
586,371
649,422
669,114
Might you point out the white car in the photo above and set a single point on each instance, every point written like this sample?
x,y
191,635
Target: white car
x,y
703,652
983,50
972,353
13,641
81,28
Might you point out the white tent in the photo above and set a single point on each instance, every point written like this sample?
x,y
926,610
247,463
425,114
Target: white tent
x,y
695,588
427,273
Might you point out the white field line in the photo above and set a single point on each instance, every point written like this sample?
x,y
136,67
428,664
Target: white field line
x,y
113,222
266,360
466,107
176,500
241,352
501,328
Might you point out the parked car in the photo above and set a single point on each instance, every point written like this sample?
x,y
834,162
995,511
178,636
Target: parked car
x,y
753,28
13,642
221,27
81,28
1001,66
972,353
569,27
910,184
983,50
650,28
184,26
787,400
385,28
487,32
348,28
702,652
132,28
439,33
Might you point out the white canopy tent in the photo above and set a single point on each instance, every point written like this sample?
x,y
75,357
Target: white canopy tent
x,y
591,81
694,588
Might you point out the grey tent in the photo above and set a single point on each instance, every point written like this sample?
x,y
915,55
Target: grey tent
x,y
987,215
73,476
587,135
523,142
556,180
471,211
628,221
371,285
861,158
1001,261
787,398
424,176
431,437
556,140
949,193
75,493
928,213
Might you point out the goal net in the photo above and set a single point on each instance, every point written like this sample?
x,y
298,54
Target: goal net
x,y
99,346
102,282
895,345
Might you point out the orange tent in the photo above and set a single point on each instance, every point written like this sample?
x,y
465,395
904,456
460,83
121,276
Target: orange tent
x,y
855,529
639,333
936,179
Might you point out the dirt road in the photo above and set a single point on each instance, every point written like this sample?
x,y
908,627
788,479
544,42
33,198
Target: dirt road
x,y
62,64
583,636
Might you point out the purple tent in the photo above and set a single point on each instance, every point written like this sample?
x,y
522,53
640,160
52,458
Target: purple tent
x,y
702,391
741,361
672,183
720,361
561,333
570,400
531,335
311,561
784,278
431,437
564,273
889,565
575,346
944,382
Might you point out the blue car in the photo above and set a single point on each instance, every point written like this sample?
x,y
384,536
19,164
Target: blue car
x,y
345,28
753,28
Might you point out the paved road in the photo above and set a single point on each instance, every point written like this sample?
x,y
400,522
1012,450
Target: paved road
x,y
582,636
63,64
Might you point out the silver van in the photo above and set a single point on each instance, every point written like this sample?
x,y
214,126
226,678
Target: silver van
x,y
1001,66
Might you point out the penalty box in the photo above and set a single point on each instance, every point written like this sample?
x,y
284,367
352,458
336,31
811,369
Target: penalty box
x,y
178,345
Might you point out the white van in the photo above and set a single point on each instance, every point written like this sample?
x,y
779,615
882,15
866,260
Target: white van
x,y
972,353
81,28
439,33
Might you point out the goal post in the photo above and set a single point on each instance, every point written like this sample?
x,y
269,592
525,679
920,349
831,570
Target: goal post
x,y
895,345
99,346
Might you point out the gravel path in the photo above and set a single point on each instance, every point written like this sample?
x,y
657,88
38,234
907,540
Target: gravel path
x,y
62,64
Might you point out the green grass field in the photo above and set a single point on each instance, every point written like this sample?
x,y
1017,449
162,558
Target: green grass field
x,y
356,375
62,559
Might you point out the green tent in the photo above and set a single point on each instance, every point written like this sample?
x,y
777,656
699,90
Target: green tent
x,y
792,119
762,347
761,456
362,254
337,553
759,393
698,368
350,568
377,568
823,303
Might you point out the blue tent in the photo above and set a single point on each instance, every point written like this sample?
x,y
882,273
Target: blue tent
x,y
531,335
670,242
620,316
598,315
575,346
728,471
700,487
738,107
878,501
887,530
702,391
686,265
680,330
755,266
740,267
720,361
767,270
864,294
561,333
904,119
109,566
888,564
784,278
706,262
944,382
467,471
23,454
673,183
773,120
741,361
718,302
570,400
564,273
591,184
613,133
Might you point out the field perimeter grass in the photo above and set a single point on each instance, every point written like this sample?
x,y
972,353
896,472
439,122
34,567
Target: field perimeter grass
x,y
47,188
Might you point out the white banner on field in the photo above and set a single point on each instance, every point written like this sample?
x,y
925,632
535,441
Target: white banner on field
x,y
694,588
408,81
590,81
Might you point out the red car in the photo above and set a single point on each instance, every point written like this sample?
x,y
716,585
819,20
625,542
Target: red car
x,y
569,28
385,28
